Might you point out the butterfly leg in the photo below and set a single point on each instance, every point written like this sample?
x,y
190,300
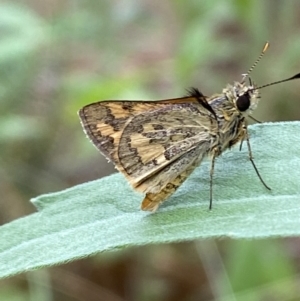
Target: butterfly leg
x,y
215,154
251,157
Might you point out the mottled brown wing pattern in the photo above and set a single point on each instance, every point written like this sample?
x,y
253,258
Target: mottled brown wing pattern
x,y
156,145
104,121
160,186
153,140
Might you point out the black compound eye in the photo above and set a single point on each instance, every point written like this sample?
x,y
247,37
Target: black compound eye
x,y
243,102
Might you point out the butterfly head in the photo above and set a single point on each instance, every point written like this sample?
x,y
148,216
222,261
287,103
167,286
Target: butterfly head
x,y
245,97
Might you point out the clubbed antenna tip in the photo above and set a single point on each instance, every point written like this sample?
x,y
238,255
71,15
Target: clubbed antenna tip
x,y
266,46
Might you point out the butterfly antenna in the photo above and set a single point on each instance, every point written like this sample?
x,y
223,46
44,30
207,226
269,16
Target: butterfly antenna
x,y
280,81
256,62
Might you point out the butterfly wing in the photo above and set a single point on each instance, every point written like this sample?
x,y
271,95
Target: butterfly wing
x,y
153,140
151,143
174,175
104,121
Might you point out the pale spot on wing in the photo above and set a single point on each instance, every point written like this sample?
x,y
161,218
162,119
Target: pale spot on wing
x,y
105,129
146,151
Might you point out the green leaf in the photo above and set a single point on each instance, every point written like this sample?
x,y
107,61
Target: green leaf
x,y
104,215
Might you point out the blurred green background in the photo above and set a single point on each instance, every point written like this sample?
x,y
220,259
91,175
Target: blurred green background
x,y
56,56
